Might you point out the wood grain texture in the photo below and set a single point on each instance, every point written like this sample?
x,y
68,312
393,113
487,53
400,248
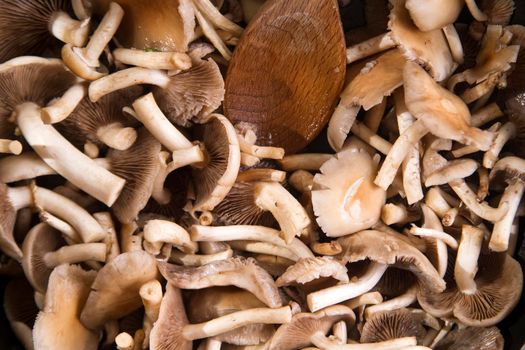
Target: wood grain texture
x,y
287,72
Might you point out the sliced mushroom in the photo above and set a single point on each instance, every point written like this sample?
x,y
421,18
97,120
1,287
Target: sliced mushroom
x,y
240,272
392,325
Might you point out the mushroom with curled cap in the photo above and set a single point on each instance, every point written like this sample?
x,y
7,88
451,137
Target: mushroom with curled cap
x,y
209,303
58,325
392,325
345,184
20,309
36,24
173,331
479,338
309,269
238,271
114,294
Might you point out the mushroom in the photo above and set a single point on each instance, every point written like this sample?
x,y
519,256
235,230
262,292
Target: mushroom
x,y
21,310
172,330
151,295
169,232
356,199
25,166
472,337
433,14
240,272
392,325
44,249
153,59
309,269
114,294
36,25
454,170
58,326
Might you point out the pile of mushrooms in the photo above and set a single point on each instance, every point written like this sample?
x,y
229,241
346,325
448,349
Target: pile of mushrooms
x,y
135,215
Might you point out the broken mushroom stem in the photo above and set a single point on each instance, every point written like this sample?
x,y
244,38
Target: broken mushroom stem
x,y
260,151
151,295
169,232
305,161
483,210
10,146
69,30
60,108
116,136
322,342
467,259
153,60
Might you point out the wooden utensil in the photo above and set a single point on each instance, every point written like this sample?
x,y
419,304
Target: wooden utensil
x,y
287,72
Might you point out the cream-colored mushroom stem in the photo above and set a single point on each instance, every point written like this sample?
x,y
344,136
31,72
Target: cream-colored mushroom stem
x,y
148,113
199,259
81,9
235,320
475,11
129,241
486,115
371,138
397,154
482,90
60,108
263,248
212,344
336,294
151,295
322,342
212,34
467,259
117,136
292,217
69,233
260,151
65,159
25,166
305,161
124,341
455,170
248,160
340,332
217,18
169,232
501,233
483,210
76,253
69,30
370,298
153,60
431,233
302,181
397,214
508,131
404,300
83,223
252,175
374,115
327,248
454,43
369,47
201,233
10,146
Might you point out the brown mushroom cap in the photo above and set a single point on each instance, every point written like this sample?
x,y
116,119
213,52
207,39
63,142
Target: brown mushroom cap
x,y
193,94
139,165
308,269
210,303
497,11
213,182
477,338
395,282
392,325
8,216
240,272
499,282
115,291
388,249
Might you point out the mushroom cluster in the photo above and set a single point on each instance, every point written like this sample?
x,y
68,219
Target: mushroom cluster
x,y
139,211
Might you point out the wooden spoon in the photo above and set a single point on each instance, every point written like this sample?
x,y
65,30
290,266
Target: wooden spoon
x,y
287,72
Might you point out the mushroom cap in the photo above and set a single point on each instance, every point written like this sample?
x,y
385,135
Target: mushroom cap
x,y
499,282
344,196
296,334
308,269
58,326
388,249
443,113
30,79
138,165
240,272
84,122
512,168
213,182
428,48
115,291
8,244
24,26
167,330
478,338
20,309
209,303
433,14
41,239
192,95
158,24
392,325
498,11
395,282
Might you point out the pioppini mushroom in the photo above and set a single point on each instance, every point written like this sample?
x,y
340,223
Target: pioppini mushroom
x,y
173,331
480,338
37,33
58,325
391,325
21,310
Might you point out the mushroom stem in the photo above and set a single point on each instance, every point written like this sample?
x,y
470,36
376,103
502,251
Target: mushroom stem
x,y
397,214
81,9
370,298
306,161
217,18
454,43
10,146
475,11
111,240
252,175
499,240
322,342
483,188
20,197
467,259
438,201
260,151
23,167
327,248
151,295
116,136
69,30
289,213
153,60
397,154
212,344
364,133
91,150
235,320
60,225
486,115
340,124
264,248
149,114
369,47
76,253
302,181
249,160
169,232
506,132
130,242
214,37
482,209
62,107
199,259
248,232
486,87
336,294
65,159
455,170
124,341
404,300
374,116
431,233
340,331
